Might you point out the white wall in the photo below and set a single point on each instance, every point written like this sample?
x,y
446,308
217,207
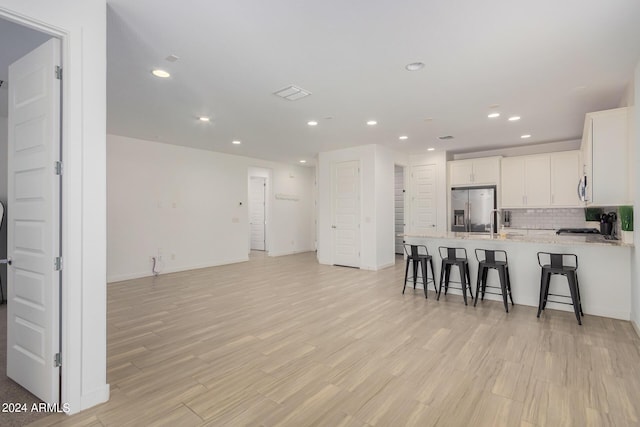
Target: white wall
x,y
376,212
635,253
3,199
439,159
192,205
385,206
82,26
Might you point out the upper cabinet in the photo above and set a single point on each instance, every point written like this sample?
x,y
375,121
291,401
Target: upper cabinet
x,y
526,181
541,180
604,152
481,171
565,176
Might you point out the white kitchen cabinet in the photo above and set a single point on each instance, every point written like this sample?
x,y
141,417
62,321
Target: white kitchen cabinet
x,y
565,174
604,151
526,181
480,171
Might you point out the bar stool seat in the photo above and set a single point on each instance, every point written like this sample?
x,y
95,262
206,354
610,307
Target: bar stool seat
x,y
487,260
451,257
565,265
418,255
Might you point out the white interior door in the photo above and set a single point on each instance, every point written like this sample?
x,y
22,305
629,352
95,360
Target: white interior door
x,y
346,213
424,198
33,312
257,217
399,209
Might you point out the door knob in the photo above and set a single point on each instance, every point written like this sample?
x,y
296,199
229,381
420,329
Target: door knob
x,y
6,261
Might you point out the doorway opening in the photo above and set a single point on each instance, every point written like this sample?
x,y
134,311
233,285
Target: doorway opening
x,y
399,193
259,208
30,189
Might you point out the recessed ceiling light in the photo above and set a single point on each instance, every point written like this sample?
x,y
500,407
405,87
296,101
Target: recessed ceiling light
x,y
493,115
403,137
525,136
414,66
236,142
160,73
312,123
303,161
204,119
372,123
430,149
514,118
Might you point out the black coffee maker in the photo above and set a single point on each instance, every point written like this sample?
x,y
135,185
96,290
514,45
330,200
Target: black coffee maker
x,y
607,223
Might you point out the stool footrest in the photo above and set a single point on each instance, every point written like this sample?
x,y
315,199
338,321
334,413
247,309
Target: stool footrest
x,y
493,293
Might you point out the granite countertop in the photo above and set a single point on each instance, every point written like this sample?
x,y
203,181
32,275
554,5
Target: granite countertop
x,y
526,237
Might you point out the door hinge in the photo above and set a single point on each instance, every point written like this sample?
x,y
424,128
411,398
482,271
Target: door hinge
x,y
57,360
58,168
57,263
58,72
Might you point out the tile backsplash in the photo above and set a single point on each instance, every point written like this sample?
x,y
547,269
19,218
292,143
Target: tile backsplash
x,y
547,219
552,219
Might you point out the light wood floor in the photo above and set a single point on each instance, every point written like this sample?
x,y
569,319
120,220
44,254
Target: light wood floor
x,y
287,342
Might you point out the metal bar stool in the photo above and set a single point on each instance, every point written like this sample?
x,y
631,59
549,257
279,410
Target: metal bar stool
x,y
449,258
486,260
565,265
418,255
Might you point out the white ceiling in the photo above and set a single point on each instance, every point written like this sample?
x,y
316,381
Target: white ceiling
x,y
548,61
16,41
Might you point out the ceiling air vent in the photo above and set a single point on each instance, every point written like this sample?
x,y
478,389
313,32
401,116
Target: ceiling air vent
x,y
445,137
292,93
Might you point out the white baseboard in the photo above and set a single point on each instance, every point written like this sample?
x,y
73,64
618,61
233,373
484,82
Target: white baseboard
x,y
635,327
94,398
131,276
274,254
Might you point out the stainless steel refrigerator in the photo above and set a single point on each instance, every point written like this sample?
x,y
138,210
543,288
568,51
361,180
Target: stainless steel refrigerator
x,y
472,208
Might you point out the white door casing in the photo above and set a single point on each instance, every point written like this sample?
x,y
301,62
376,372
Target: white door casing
x,y
346,213
257,217
399,209
33,312
423,198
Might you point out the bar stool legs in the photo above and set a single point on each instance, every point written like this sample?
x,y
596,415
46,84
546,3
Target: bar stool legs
x,y
418,255
558,265
496,260
445,273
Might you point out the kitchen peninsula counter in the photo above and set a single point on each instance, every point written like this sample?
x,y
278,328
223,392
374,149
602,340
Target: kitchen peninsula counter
x,y
533,236
604,267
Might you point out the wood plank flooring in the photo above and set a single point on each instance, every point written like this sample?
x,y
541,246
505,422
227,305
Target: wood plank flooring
x,y
288,342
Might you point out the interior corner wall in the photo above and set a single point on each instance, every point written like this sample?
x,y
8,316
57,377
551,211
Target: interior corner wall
x,y
3,198
635,252
190,207
385,206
